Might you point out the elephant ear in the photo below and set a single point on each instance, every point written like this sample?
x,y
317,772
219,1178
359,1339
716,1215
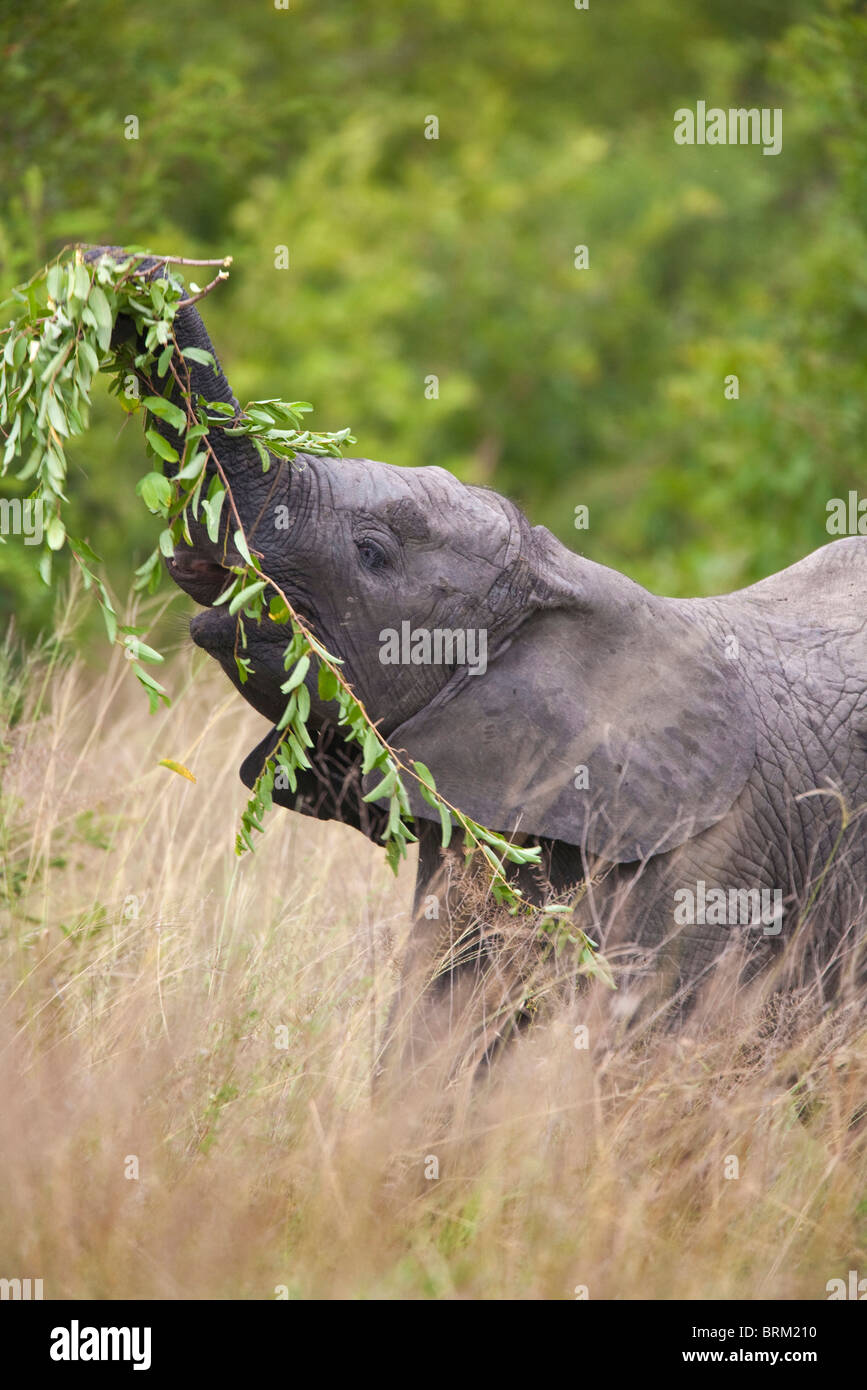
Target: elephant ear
x,y
613,721
330,790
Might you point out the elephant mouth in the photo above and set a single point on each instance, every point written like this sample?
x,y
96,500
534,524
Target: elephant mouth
x,y
205,579
215,631
202,578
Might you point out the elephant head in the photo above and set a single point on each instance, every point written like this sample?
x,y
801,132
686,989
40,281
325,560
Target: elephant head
x,y
548,695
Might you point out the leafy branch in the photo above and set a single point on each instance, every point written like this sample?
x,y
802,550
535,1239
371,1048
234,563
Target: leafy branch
x,y
59,336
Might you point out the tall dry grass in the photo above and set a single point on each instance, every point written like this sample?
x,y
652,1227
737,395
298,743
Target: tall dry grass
x,y
146,975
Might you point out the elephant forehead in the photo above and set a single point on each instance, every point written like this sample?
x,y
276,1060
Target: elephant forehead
x,y
421,503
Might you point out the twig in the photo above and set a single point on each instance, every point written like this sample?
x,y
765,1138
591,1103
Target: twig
x,y
184,303
189,260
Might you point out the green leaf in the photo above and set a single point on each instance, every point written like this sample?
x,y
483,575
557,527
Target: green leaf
x,y
427,785
143,652
393,827
83,548
55,281
297,675
263,454
57,416
303,695
241,546
243,598
327,683
150,563
277,610
371,750
31,465
300,755
149,682
90,358
155,491
288,714
200,355
55,533
99,306
192,468
166,410
230,591
161,446
81,282
109,617
385,787
212,506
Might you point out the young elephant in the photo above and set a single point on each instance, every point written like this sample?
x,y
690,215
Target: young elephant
x,y
700,765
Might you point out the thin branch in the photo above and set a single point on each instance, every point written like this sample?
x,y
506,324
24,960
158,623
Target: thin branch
x,y
188,260
184,303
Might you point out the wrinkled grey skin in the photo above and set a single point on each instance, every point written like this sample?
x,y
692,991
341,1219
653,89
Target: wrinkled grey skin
x,y
704,725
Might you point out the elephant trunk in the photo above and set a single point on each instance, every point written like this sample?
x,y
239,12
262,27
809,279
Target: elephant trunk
x,y
235,455
199,570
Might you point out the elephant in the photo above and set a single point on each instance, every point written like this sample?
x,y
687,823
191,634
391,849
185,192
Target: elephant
x,y
693,770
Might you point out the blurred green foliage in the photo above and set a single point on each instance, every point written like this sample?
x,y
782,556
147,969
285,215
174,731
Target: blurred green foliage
x,y
410,257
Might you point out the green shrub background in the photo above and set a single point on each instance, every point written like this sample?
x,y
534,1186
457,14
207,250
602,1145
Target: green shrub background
x,y
410,257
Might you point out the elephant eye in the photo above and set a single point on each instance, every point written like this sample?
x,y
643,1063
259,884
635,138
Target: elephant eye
x,y
371,554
